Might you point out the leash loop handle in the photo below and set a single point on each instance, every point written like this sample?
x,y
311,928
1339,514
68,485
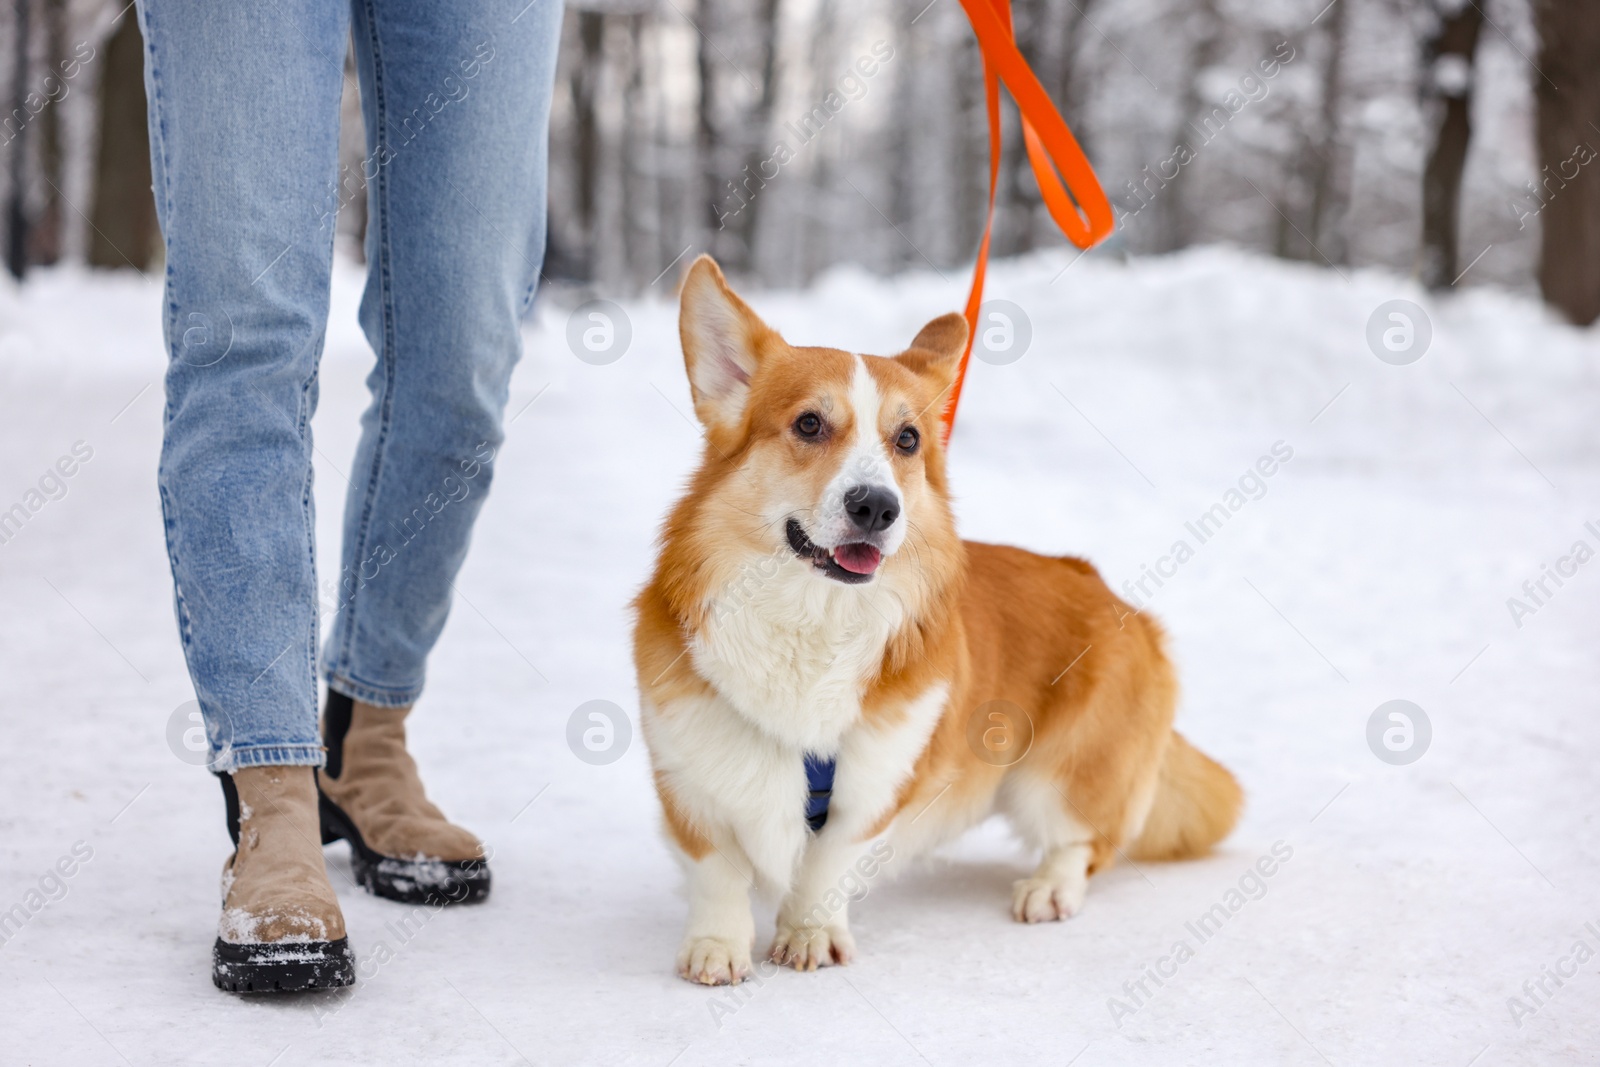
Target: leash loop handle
x,y
1067,183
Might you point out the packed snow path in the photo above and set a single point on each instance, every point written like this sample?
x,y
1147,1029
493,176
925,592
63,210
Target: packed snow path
x,y
1424,912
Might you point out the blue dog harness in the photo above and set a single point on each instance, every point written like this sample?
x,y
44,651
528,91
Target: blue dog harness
x,y
819,782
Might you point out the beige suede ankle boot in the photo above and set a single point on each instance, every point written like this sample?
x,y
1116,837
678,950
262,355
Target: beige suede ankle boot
x,y
401,846
281,928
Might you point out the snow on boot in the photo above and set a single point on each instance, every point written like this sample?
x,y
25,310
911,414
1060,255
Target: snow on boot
x,y
401,846
281,928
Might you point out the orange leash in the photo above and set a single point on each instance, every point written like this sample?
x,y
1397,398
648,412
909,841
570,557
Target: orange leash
x,y
1079,207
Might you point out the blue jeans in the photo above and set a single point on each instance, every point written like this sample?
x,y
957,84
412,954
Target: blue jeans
x,y
244,115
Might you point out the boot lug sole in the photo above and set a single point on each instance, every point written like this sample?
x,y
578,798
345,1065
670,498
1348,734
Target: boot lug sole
x,y
287,967
435,882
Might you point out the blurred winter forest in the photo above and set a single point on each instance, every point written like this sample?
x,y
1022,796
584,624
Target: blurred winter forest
x,y
1450,138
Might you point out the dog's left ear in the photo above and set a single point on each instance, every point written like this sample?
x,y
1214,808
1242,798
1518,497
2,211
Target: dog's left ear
x,y
936,350
722,344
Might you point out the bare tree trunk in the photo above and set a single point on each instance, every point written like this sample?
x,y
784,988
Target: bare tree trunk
x,y
637,157
757,129
585,81
909,49
47,237
1447,75
124,212
1177,217
1568,95
708,145
971,158
1328,196
17,208
1281,230
671,172
816,235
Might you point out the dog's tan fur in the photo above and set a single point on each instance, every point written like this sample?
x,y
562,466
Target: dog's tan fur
x,y
963,625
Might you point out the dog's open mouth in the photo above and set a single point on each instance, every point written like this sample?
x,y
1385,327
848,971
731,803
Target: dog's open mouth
x,y
853,563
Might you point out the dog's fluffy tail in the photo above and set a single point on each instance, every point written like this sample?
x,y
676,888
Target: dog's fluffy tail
x,y
1196,804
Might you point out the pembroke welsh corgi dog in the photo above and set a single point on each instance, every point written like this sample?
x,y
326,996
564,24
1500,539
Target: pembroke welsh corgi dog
x,y
831,680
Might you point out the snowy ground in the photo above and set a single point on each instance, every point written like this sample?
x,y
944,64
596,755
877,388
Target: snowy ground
x,y
1377,565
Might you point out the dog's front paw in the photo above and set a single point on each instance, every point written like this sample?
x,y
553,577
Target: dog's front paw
x,y
1038,900
805,948
713,961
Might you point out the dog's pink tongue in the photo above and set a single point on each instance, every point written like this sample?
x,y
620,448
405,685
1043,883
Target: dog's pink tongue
x,y
857,558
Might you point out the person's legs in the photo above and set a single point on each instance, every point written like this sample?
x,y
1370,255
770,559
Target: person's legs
x,y
457,102
244,112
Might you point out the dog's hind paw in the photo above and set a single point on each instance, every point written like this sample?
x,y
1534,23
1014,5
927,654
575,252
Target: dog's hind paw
x,y
805,948
713,961
1037,900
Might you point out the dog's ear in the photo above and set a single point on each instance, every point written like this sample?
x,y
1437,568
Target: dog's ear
x,y
937,349
722,343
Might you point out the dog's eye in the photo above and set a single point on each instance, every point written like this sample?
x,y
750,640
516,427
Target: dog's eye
x,y
908,440
808,425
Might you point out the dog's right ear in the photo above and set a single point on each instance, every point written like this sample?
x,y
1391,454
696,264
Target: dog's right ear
x,y
722,341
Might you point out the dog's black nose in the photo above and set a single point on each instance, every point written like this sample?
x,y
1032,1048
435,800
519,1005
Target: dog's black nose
x,y
871,507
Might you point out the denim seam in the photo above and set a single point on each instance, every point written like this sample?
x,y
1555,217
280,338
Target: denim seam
x,y
168,520
169,528
308,510
157,101
382,696
381,202
308,499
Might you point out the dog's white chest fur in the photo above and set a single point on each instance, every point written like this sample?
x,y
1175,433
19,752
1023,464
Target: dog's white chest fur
x,y
793,654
